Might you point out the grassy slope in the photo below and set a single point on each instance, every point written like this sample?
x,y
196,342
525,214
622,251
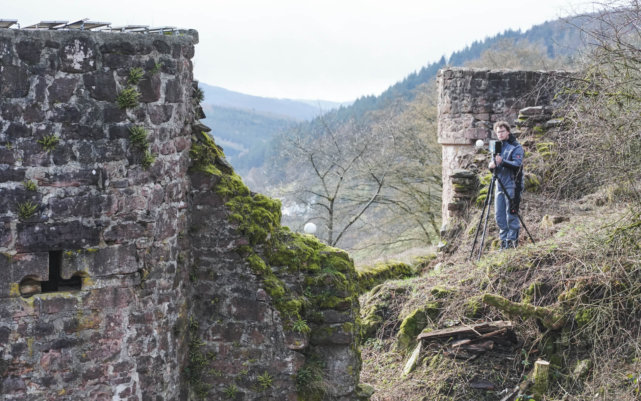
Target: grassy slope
x,y
587,268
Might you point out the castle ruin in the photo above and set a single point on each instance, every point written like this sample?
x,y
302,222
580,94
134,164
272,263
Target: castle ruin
x,y
134,263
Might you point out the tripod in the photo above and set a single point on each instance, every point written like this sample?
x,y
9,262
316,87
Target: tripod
x,y
487,205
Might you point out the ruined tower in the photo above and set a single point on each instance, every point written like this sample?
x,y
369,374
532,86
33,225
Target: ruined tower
x,y
135,264
470,101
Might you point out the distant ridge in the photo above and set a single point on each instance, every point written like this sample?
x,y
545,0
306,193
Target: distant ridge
x,y
298,110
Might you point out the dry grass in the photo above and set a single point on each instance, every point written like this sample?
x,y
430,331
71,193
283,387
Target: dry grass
x,y
589,267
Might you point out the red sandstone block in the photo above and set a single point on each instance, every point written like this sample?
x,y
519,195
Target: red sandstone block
x,y
181,143
109,298
54,304
167,148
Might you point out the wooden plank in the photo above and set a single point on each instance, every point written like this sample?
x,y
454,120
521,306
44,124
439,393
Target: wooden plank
x,y
488,335
475,330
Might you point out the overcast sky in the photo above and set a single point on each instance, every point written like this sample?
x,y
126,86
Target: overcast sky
x,y
310,49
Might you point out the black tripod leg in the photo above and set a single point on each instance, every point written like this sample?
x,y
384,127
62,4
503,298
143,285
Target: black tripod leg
x,y
478,227
489,207
526,230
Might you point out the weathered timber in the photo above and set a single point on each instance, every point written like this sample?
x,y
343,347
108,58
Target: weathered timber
x,y
472,330
467,341
480,348
512,394
482,384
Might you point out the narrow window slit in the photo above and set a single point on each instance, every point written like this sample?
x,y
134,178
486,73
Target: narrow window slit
x,y
55,282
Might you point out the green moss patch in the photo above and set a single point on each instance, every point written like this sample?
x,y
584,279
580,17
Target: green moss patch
x,y
330,280
369,277
303,276
415,322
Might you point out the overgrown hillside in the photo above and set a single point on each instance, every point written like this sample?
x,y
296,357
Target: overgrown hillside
x,y
574,301
468,329
382,214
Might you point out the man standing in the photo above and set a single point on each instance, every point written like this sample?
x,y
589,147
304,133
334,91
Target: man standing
x,y
509,171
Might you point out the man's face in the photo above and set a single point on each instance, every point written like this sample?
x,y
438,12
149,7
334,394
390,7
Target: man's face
x,y
502,133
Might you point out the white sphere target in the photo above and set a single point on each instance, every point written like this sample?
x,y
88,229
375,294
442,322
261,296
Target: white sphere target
x,y
310,228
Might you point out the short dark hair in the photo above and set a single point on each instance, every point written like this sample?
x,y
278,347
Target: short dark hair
x,y
503,124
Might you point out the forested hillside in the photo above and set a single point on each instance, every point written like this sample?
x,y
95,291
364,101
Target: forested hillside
x,y
333,170
245,135
245,125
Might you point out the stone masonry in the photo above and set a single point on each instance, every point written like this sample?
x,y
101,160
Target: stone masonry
x,y
470,101
125,274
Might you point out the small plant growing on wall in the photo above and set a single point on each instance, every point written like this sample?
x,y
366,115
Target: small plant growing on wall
x,y
49,142
30,185
147,159
231,391
128,98
301,326
198,95
265,381
135,75
26,210
156,68
138,137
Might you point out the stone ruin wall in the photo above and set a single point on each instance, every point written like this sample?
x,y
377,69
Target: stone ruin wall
x,y
100,215
152,284
470,101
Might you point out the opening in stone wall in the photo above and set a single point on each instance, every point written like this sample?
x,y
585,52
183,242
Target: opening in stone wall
x,y
55,282
31,285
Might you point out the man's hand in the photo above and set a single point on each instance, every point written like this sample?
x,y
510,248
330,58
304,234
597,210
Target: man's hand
x,y
497,160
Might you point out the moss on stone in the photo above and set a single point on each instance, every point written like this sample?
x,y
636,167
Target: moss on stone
x,y
485,185
532,183
545,149
473,307
423,261
256,215
329,280
549,317
369,277
439,292
532,292
205,154
584,316
571,294
414,324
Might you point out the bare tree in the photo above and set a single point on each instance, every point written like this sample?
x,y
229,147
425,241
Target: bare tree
x,y
603,109
339,185
374,184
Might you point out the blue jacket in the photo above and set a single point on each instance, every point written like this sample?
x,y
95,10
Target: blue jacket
x,y
512,154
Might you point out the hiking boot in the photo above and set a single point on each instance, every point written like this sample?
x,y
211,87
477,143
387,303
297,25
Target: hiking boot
x,y
513,243
504,245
